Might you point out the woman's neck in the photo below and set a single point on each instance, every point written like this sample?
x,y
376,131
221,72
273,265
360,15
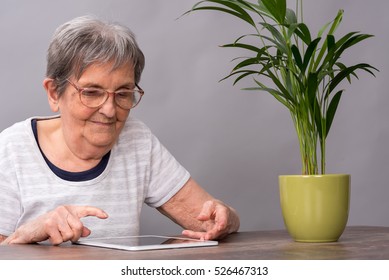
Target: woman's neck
x,y
67,154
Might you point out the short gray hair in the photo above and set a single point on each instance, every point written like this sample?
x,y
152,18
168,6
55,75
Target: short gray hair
x,y
86,40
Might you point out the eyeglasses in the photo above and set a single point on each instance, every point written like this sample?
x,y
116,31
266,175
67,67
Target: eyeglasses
x,y
95,97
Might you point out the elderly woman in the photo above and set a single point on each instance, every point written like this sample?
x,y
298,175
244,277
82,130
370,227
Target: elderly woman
x,y
88,170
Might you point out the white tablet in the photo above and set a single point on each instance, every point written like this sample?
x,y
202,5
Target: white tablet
x,y
145,242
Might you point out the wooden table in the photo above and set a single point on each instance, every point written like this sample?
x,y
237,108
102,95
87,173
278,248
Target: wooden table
x,y
357,242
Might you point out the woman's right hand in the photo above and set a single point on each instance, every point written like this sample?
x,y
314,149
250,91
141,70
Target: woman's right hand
x,y
60,225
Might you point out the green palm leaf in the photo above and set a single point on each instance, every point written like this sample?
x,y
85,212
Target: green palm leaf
x,y
301,71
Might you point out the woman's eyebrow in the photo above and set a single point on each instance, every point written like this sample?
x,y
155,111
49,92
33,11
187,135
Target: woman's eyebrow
x,y
130,85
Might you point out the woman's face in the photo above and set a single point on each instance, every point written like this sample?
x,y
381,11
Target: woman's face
x,y
95,127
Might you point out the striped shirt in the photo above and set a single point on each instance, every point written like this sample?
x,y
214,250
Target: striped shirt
x,y
140,170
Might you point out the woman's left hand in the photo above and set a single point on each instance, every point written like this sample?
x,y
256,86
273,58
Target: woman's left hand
x,y
218,221
201,215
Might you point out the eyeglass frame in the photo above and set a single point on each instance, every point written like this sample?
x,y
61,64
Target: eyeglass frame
x,y
108,93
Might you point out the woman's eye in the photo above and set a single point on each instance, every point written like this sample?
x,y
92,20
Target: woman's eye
x,y
92,92
124,94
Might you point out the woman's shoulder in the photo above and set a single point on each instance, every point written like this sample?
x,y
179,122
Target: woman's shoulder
x,y
16,138
135,132
135,126
16,130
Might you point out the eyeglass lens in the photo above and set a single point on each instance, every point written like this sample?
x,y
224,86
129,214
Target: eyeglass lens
x,y
126,99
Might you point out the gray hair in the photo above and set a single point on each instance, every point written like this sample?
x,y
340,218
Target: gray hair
x,y
86,40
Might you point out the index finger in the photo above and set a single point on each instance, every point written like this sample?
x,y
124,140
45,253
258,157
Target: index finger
x,y
85,211
207,211
219,215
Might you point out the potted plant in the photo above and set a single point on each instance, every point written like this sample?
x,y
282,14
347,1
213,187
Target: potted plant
x,y
303,73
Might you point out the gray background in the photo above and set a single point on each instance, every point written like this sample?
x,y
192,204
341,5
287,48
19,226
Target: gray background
x,y
234,143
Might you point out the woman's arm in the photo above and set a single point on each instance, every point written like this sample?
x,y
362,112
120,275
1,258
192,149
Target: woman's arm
x,y
60,225
202,215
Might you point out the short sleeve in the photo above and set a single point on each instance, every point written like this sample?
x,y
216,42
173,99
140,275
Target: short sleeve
x,y
167,175
10,207
9,192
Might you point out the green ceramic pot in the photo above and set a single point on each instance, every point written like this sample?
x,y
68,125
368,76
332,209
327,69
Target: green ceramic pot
x,y
315,207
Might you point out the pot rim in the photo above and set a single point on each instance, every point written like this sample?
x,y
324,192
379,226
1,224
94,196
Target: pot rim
x,y
316,175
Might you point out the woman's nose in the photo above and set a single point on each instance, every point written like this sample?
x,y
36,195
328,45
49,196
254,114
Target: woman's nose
x,y
109,106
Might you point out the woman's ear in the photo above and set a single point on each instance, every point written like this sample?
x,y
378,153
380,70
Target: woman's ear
x,y
52,94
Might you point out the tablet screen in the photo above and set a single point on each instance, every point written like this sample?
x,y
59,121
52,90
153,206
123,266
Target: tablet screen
x,y
145,242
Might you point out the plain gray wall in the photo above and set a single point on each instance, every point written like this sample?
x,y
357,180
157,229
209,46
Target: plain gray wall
x,y
234,143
